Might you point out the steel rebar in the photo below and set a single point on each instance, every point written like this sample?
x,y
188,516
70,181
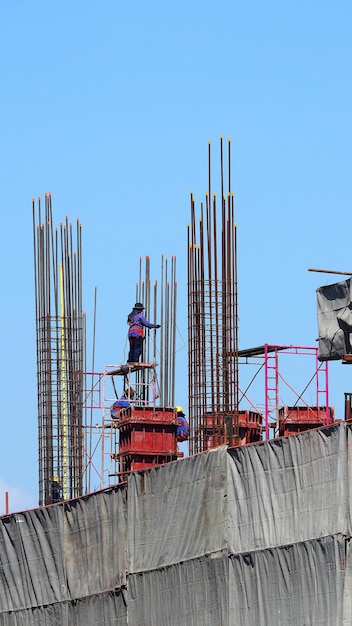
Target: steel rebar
x,y
212,315
60,342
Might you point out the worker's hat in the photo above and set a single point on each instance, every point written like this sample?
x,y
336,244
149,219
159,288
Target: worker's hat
x,y
139,305
179,410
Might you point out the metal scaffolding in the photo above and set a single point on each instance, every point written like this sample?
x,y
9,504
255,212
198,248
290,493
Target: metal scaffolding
x,y
213,314
268,359
148,385
60,343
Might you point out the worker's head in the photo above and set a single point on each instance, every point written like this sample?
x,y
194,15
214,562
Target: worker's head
x,y
179,410
139,306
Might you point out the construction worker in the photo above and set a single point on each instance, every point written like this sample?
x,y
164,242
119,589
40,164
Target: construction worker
x,y
121,403
136,321
182,427
56,490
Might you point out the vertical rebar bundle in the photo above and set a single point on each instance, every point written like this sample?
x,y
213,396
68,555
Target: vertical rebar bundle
x,y
60,343
213,316
160,300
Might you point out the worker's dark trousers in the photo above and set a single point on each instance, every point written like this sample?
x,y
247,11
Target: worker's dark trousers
x,y
136,346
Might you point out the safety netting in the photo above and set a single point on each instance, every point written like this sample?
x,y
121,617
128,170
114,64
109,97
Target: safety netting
x,y
254,535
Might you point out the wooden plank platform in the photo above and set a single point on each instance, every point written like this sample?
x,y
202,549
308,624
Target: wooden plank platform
x,y
128,368
347,359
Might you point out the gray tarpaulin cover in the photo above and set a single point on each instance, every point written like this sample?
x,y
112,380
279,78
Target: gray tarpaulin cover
x,y
257,535
334,320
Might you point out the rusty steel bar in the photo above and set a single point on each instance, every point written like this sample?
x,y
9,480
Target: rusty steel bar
x,y
60,342
147,304
212,316
173,330
155,308
166,337
162,331
166,328
216,356
235,317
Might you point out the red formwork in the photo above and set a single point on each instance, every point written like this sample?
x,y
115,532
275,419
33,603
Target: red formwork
x,y
147,430
133,462
297,419
148,414
147,437
250,427
216,429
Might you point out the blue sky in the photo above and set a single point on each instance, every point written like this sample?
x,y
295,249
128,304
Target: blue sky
x,y
109,106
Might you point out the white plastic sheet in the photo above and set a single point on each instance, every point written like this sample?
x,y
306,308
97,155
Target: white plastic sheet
x,y
335,320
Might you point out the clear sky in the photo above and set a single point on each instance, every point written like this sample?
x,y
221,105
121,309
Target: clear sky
x,y
110,106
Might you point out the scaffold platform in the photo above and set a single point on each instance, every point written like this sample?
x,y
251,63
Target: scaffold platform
x,y
128,368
